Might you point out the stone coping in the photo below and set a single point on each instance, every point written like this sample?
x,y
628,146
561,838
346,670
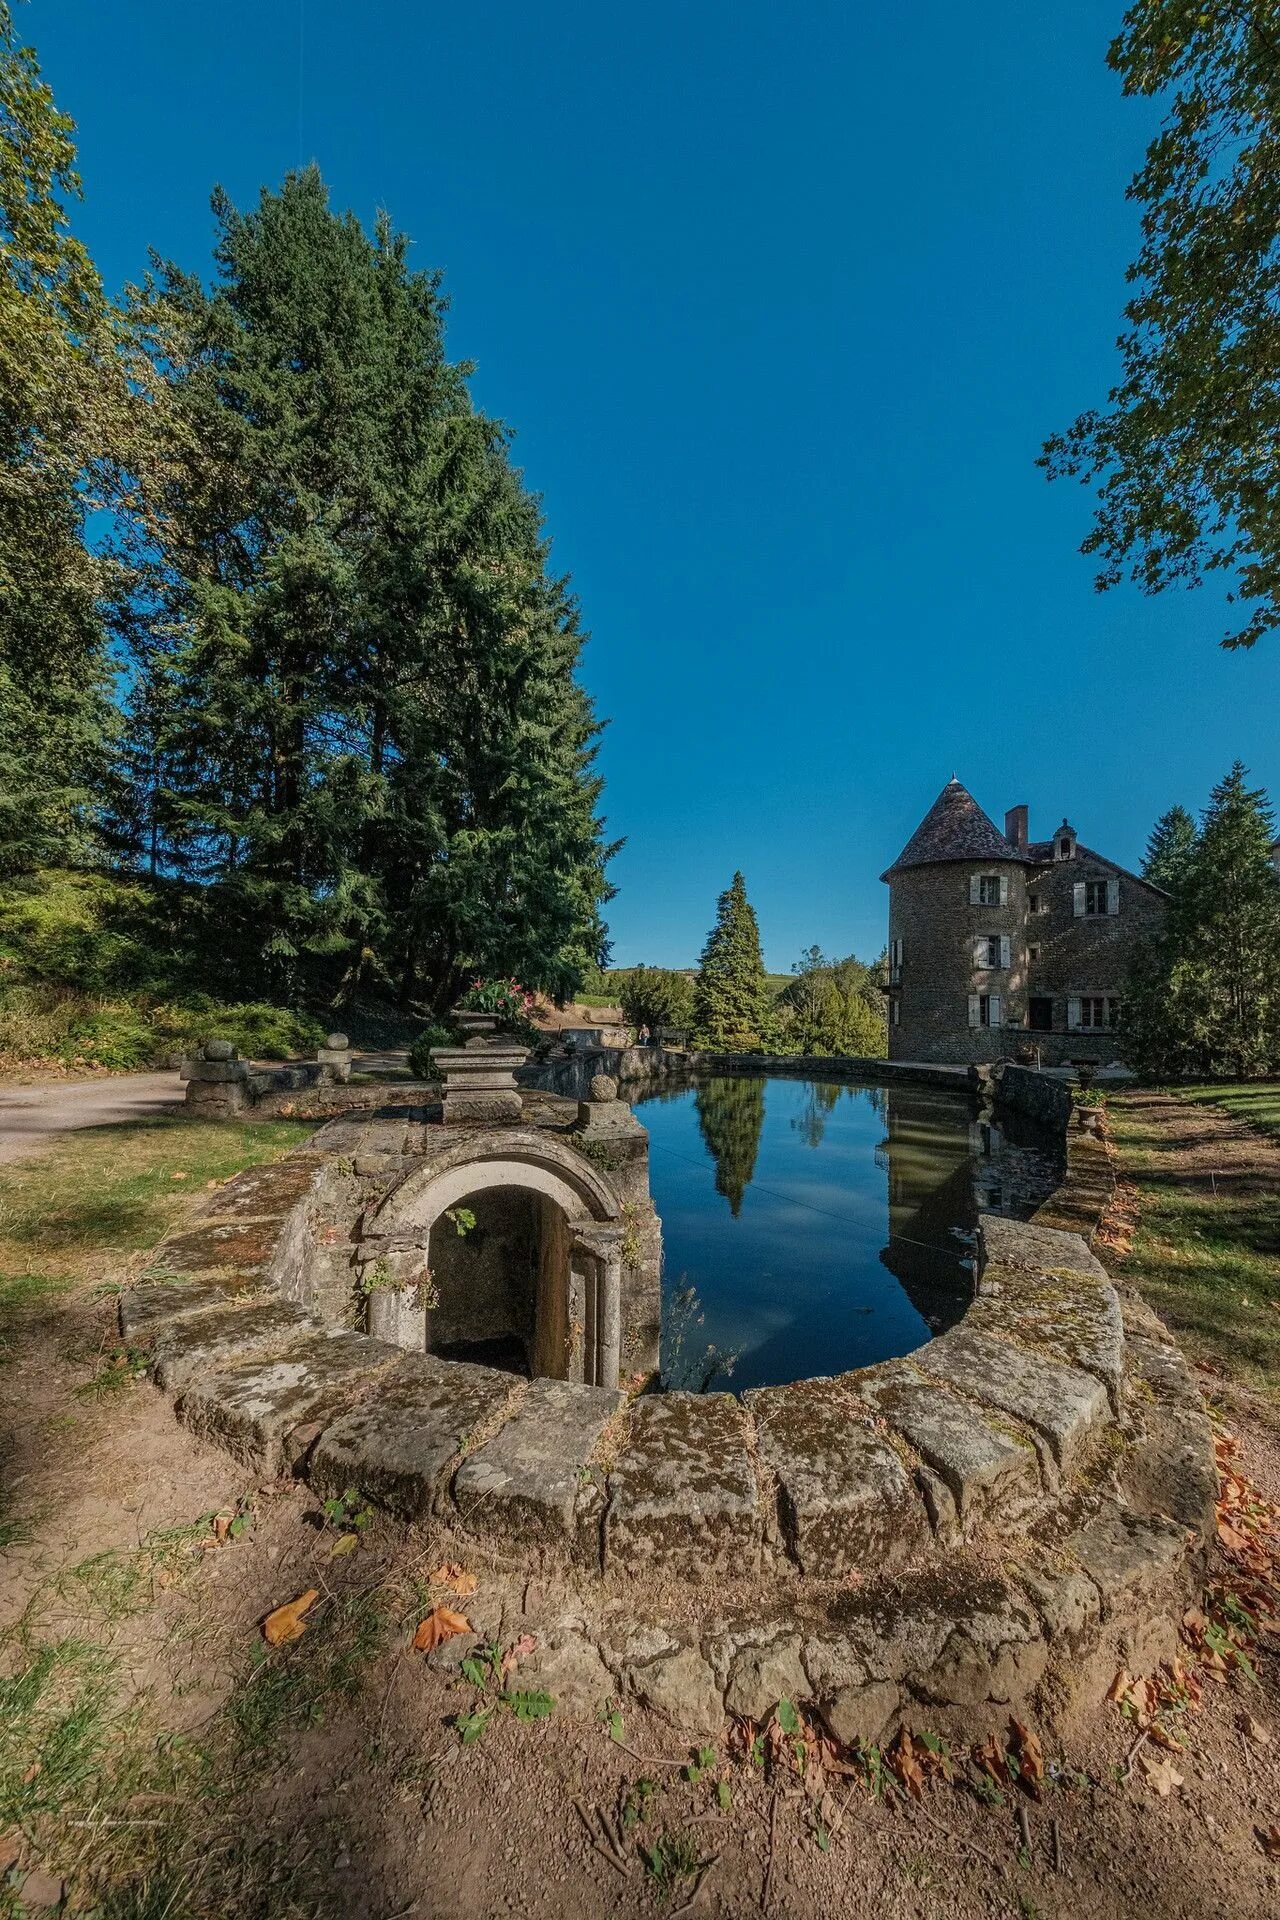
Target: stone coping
x,y
945,1527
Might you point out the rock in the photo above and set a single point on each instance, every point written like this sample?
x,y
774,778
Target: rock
x,y
1068,1602
992,1477
254,1409
858,1716
1021,1243
266,1191
845,1498
41,1889
567,1665
529,1480
683,1494
337,1042
148,1306
602,1089
401,1443
198,1342
243,1248
1069,1317
1131,1558
218,1050
681,1686
1063,1404
761,1675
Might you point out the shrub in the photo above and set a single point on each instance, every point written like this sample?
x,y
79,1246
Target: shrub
x,y
420,1052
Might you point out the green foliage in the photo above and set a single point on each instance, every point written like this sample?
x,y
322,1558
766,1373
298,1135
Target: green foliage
x,y
731,998
1204,996
832,1007
655,997
1185,453
730,1113
1171,849
361,725
512,1003
424,1045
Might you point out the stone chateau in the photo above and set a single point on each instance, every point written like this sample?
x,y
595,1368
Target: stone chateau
x,y
1003,947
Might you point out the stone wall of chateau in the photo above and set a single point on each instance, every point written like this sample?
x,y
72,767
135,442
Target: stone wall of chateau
x,y
930,912
1070,954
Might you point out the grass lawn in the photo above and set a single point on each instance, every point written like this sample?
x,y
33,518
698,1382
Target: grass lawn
x,y
1255,1101
1206,1253
77,1212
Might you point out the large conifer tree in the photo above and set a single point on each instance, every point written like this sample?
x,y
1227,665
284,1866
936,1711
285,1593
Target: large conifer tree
x,y
1170,850
355,705
1205,997
731,1000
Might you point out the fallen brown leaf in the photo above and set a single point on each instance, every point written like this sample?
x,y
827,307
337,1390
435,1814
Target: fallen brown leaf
x,y
441,1624
344,1544
518,1651
1030,1757
286,1622
1160,1774
453,1574
10,1849
1269,1841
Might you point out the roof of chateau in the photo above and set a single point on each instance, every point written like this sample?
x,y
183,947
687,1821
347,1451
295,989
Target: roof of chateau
x,y
955,828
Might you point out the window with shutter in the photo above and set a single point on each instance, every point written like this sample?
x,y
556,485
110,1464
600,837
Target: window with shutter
x,y
975,889
1004,950
1078,899
1113,896
975,1009
1073,1016
1004,889
995,1010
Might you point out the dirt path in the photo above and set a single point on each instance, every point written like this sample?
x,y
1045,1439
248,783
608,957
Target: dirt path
x,y
31,1115
329,1778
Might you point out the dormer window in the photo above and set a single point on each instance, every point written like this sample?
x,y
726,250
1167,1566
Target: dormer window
x,y
1064,849
1064,842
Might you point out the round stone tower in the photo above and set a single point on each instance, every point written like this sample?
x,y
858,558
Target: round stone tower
x,y
957,934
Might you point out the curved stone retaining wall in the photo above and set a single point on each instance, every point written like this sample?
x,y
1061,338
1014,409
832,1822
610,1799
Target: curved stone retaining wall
x,y
1003,1514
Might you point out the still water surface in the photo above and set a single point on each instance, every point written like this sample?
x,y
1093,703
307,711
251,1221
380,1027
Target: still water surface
x,y
810,1227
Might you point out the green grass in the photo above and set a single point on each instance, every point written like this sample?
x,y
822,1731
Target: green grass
x,y
295,1685
1257,1102
118,1189
1206,1253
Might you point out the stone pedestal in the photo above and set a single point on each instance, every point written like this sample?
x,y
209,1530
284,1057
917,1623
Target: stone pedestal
x,y
334,1058
480,1080
216,1081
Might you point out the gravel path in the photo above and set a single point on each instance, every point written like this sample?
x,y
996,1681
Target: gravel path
x,y
31,1116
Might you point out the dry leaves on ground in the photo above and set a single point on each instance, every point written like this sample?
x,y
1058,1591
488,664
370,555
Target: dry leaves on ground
x,y
441,1624
454,1576
286,1623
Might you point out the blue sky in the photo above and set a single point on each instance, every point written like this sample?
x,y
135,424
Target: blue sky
x,y
781,303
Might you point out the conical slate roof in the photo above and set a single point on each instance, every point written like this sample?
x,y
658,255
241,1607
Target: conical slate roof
x,y
955,828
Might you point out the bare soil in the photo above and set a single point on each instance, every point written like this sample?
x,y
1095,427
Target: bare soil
x,y
329,1778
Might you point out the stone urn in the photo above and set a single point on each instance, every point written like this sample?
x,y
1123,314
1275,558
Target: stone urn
x,y
473,1025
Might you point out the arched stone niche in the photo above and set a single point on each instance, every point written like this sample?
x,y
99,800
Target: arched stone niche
x,y
542,1265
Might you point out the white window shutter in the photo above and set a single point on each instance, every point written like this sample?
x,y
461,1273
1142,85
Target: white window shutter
x,y
1073,1016
1113,896
1004,949
1004,889
974,881
995,1010
980,950
1077,898
975,1011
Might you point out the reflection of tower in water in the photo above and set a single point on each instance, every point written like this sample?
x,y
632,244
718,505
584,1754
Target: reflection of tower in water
x,y
940,1179
930,1177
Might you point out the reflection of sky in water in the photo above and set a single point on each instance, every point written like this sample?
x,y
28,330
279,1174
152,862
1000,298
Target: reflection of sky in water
x,y
795,1285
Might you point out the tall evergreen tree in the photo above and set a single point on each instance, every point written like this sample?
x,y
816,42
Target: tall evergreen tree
x,y
1205,997
355,706
63,413
731,999
731,1120
1170,850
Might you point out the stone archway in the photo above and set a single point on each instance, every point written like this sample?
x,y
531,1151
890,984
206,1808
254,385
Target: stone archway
x,y
544,1267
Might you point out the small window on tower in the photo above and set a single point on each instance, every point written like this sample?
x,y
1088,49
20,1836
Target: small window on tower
x,y
989,890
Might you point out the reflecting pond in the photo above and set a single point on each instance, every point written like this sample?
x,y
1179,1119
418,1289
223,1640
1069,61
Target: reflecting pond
x,y
813,1226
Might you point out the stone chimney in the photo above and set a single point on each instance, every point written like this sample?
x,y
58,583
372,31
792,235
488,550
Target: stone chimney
x,y
1015,826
